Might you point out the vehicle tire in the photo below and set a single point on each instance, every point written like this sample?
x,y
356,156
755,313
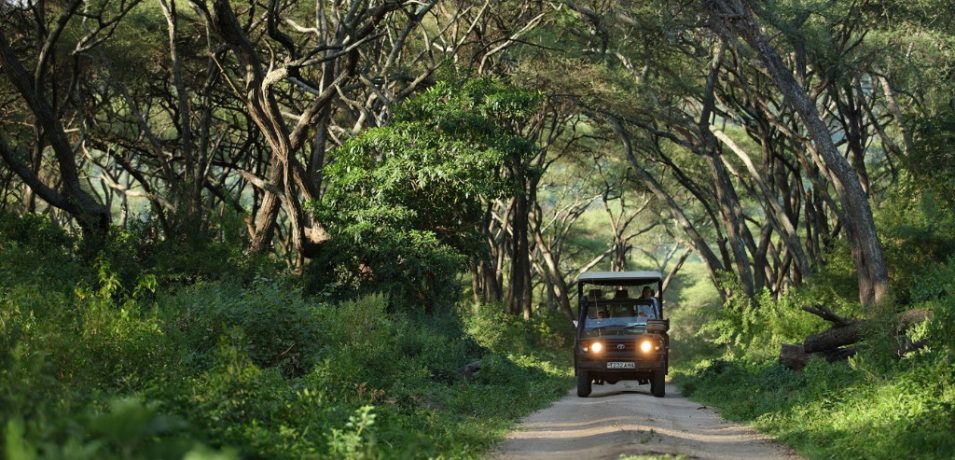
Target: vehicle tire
x,y
583,384
658,384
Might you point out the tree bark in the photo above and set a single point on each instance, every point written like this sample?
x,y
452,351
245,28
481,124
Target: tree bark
x,y
554,276
712,262
518,294
775,211
730,210
734,19
92,217
833,338
793,356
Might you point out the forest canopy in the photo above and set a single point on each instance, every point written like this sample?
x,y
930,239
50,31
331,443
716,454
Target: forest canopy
x,y
787,165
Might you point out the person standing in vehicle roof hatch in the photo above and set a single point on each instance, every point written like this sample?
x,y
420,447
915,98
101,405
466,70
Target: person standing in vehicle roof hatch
x,y
647,294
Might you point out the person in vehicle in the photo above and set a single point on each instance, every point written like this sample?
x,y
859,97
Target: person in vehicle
x,y
647,295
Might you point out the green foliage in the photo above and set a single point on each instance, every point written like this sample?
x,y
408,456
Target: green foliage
x,y
97,367
411,266
756,329
33,248
127,429
404,201
837,410
918,234
494,329
356,440
140,249
936,292
874,406
276,325
933,160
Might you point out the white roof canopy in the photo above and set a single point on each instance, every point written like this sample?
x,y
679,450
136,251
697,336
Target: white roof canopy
x,y
620,278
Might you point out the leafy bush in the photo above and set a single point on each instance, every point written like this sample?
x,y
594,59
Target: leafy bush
x,y
412,267
404,201
874,406
277,325
931,162
837,410
918,234
96,367
756,329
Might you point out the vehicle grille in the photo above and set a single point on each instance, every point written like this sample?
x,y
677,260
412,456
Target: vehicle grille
x,y
616,346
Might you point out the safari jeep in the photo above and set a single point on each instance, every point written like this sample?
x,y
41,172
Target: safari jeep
x,y
621,333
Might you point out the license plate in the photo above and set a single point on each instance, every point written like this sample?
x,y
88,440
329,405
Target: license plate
x,y
621,365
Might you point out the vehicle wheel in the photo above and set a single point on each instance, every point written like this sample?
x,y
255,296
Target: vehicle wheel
x,y
658,384
583,384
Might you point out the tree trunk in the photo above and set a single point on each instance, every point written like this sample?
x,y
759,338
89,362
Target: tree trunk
x,y
730,210
671,275
92,217
712,262
732,19
554,276
775,211
268,212
520,256
833,338
793,356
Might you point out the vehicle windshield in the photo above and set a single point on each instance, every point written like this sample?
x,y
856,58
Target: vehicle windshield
x,y
618,319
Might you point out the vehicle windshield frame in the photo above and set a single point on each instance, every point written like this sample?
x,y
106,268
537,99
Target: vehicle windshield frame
x,y
592,322
622,280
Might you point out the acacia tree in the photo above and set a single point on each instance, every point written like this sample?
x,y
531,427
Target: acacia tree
x,y
735,19
53,49
344,60
692,100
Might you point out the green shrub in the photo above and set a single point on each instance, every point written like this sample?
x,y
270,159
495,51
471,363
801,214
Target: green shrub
x,y
874,406
757,329
415,270
279,327
918,234
114,360
404,200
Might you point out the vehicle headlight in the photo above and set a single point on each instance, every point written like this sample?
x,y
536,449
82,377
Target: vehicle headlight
x,y
596,347
646,346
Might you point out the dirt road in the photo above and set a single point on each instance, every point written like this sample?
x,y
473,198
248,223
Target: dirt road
x,y
623,419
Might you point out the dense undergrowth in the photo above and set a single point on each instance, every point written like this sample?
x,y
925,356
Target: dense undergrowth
x,y
156,351
875,405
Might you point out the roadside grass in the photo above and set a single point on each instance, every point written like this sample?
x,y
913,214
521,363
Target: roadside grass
x,y
836,410
875,405
100,363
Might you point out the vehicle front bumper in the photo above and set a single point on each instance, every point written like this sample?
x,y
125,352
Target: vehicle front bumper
x,y
642,362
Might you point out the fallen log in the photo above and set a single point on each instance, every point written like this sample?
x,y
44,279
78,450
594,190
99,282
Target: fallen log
x,y
910,318
793,356
908,346
835,337
833,343
796,358
838,354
